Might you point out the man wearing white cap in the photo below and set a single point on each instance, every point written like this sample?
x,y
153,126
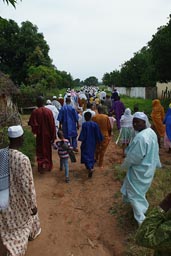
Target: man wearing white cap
x,y
19,220
142,159
56,103
55,113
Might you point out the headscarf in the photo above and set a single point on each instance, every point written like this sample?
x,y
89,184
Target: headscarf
x,y
127,112
142,116
158,115
126,118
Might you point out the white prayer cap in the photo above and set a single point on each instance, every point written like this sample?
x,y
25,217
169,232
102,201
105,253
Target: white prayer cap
x,y
15,131
48,102
54,97
140,115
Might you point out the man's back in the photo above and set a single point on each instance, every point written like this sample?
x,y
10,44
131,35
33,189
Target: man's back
x,y
22,192
42,122
104,123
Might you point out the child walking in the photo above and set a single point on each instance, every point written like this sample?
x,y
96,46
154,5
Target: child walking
x,y
90,135
62,145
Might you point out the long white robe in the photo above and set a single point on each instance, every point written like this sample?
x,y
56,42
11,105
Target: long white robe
x,y
142,159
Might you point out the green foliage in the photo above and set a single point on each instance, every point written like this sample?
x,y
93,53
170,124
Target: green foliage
x,y
137,72
144,105
146,67
12,2
29,145
92,80
43,75
28,95
21,47
161,55
113,78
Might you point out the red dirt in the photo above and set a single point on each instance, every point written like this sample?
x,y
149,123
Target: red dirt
x,y
75,217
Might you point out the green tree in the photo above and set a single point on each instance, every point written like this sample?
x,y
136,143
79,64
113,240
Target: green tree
x,y
92,80
67,80
160,46
13,2
45,76
20,48
112,78
106,79
9,31
139,70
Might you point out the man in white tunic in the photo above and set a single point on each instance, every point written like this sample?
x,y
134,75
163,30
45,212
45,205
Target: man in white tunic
x,y
19,221
55,113
142,159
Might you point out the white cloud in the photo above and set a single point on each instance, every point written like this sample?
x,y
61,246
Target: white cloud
x,y
92,37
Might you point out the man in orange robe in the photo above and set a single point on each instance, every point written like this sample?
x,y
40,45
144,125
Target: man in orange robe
x,y
105,127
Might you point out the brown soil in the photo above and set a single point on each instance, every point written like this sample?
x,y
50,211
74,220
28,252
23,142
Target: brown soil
x,y
75,217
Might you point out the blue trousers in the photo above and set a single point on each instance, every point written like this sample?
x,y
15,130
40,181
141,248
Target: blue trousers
x,y
64,162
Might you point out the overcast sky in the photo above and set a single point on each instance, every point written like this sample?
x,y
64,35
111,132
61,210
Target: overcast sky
x,y
92,37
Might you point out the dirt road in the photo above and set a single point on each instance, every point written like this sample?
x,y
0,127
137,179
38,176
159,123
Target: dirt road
x,y
75,217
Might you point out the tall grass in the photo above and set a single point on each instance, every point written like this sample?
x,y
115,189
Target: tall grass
x,y
28,147
144,105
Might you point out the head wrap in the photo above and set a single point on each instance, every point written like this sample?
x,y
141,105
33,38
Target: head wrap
x,y
127,112
140,115
15,131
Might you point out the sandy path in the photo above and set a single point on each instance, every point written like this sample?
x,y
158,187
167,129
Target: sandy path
x,y
75,217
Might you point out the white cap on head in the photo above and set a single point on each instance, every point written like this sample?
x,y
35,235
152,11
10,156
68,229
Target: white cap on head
x,y
140,115
15,131
48,102
54,97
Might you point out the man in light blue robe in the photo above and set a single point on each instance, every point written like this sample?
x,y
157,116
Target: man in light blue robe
x,y
142,159
90,135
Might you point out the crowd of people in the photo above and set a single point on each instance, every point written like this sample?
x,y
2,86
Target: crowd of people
x,y
88,116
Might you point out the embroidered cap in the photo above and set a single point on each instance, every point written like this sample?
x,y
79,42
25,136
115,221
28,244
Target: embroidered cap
x,y
15,131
